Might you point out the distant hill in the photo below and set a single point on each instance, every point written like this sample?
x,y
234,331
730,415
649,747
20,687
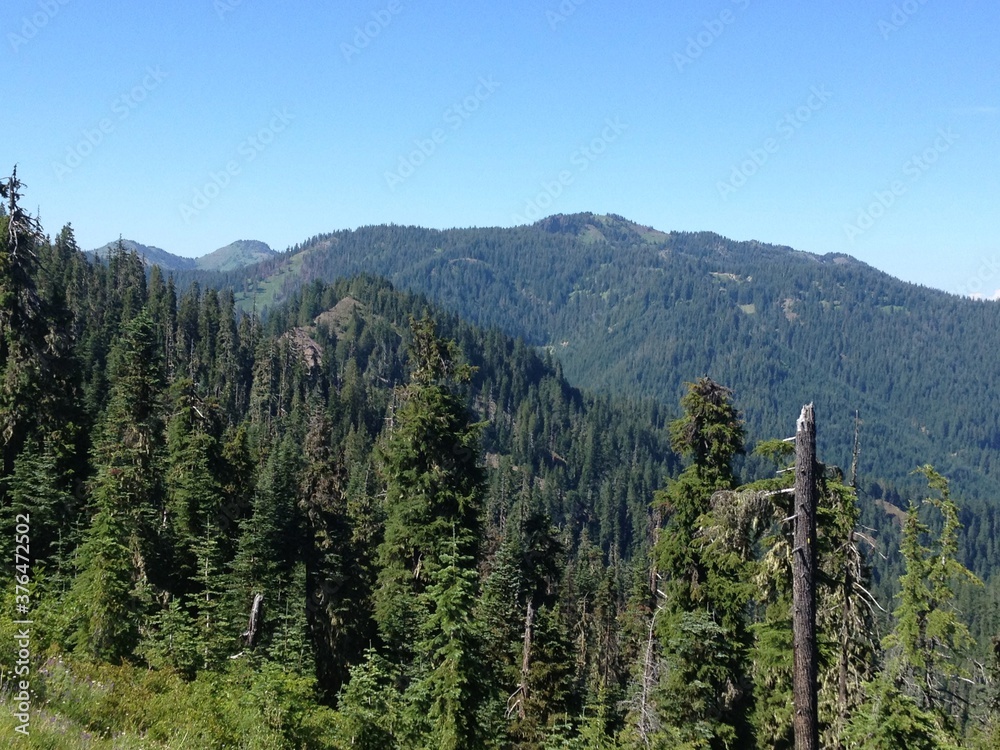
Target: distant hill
x,y
631,310
232,256
152,256
235,255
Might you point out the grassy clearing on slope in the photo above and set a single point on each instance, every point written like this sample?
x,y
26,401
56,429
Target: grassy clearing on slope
x,y
99,707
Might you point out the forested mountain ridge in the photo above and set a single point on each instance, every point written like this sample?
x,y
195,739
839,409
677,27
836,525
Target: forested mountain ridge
x,y
631,310
352,525
234,255
151,256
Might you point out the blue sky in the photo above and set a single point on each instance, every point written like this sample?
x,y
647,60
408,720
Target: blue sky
x,y
869,128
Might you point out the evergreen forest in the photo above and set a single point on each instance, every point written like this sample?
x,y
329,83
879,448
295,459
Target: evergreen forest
x,y
352,510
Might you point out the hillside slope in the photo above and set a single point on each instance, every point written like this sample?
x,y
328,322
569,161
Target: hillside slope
x,y
631,310
235,255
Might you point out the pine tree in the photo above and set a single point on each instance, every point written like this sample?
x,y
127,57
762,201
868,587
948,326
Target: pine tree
x,y
705,633
338,578
117,573
433,485
930,639
454,687
193,494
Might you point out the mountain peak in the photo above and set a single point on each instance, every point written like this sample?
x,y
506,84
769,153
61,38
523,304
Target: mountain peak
x,y
591,227
235,255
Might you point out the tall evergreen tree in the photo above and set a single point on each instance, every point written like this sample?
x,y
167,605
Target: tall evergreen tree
x,y
338,580
193,496
705,630
453,688
930,640
117,571
270,544
23,349
427,578
429,461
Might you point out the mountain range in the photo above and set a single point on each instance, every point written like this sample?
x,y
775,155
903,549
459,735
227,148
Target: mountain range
x,y
234,255
633,311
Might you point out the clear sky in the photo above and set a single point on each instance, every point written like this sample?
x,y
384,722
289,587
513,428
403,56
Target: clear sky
x,y
865,127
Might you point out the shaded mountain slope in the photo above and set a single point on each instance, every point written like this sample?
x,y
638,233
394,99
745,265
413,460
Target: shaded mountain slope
x,y
631,310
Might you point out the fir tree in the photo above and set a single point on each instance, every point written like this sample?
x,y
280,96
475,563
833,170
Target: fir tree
x,y
270,544
116,571
23,349
930,639
427,579
193,494
705,632
370,713
454,687
433,485
338,580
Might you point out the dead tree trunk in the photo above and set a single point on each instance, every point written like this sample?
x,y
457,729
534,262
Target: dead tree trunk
x,y
648,721
516,702
529,624
256,618
804,678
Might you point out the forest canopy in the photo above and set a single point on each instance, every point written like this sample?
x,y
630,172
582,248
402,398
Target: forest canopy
x,y
362,522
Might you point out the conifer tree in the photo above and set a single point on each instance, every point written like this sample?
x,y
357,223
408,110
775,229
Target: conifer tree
x,y
433,485
454,687
545,665
193,494
930,639
270,544
427,581
212,637
705,632
370,713
23,349
916,700
500,611
338,580
117,573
